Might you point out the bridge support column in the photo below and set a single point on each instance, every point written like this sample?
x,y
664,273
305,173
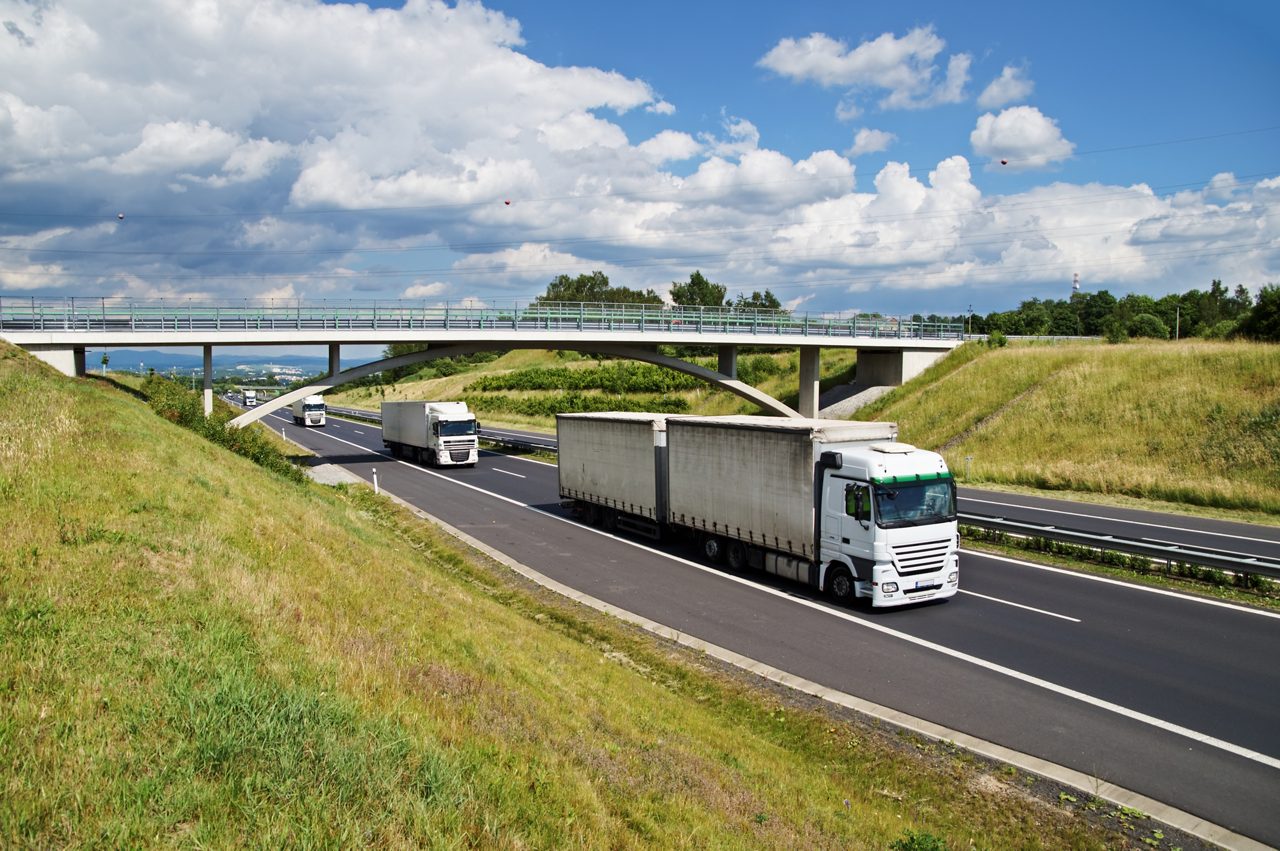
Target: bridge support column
x,y
208,380
809,363
335,358
727,364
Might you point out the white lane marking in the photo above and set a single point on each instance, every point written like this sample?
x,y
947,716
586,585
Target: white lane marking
x,y
1117,520
1096,702
1206,601
509,473
357,431
1020,606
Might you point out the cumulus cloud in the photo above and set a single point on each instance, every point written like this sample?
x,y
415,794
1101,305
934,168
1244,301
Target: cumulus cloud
x,y
904,68
425,290
868,141
1010,87
424,155
1019,138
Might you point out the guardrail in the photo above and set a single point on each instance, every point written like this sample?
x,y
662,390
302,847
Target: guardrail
x,y
130,315
1168,553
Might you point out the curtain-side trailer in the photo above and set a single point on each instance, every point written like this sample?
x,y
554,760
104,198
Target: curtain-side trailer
x,y
441,434
838,505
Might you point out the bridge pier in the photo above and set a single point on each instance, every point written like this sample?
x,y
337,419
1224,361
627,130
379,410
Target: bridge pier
x,y
335,358
208,380
727,364
809,375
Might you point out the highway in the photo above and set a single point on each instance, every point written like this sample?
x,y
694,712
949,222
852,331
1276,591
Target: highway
x,y
1165,694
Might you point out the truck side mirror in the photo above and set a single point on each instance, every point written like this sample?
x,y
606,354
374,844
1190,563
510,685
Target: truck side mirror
x,y
435,429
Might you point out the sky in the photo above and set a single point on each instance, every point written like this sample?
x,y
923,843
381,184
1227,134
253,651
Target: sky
x,y
933,157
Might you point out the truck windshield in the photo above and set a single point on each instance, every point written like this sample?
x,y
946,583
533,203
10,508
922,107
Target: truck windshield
x,y
313,407
457,428
915,503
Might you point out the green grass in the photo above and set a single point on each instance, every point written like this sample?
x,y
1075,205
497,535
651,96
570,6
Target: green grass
x,y
1194,422
196,652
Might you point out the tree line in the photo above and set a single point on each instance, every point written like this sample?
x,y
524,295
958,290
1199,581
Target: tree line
x,y
1214,314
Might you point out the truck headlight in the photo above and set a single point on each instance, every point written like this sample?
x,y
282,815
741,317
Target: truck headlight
x,y
889,587
953,578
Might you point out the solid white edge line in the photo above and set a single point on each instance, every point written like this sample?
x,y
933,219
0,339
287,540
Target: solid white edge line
x,y
1021,606
1117,519
1172,816
1164,592
1097,703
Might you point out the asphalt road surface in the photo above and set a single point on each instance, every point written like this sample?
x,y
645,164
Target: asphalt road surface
x,y
1171,696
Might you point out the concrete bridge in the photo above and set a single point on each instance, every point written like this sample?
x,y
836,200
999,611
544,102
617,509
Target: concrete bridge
x,y
890,350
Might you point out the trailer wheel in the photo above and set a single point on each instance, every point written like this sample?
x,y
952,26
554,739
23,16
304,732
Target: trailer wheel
x,y
712,548
609,519
590,513
840,584
735,555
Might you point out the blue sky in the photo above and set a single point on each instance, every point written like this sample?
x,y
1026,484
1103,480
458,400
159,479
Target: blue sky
x,y
846,156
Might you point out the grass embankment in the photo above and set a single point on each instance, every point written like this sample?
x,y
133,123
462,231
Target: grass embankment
x,y
1193,422
195,651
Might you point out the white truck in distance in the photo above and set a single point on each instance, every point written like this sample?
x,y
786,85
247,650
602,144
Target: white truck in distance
x,y
251,398
309,411
441,434
838,505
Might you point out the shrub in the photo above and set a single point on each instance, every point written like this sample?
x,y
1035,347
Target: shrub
x,y
182,407
1148,325
997,340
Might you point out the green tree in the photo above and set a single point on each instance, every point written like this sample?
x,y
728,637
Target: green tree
x,y
1148,325
698,292
1094,310
1263,321
757,301
594,288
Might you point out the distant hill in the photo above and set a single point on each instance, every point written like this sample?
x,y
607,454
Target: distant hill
x,y
128,359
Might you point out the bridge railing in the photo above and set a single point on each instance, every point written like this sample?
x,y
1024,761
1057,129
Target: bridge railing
x,y
129,315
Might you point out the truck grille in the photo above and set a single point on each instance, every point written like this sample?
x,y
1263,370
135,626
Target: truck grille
x,y
457,455
920,557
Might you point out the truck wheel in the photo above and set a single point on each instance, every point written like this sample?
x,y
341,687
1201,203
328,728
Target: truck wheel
x,y
431,458
735,555
840,585
609,519
712,548
590,513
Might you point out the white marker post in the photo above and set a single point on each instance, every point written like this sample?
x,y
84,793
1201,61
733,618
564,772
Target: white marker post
x,y
375,480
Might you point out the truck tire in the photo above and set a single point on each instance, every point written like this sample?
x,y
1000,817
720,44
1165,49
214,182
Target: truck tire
x,y
840,584
609,519
735,555
712,548
590,513
431,458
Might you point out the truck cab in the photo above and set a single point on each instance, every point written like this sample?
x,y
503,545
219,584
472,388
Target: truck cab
x,y
888,527
309,411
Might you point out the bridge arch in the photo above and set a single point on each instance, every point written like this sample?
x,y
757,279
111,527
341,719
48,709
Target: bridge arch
x,y
638,353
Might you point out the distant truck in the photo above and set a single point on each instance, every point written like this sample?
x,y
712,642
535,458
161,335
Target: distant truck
x,y
840,506
440,434
309,411
251,398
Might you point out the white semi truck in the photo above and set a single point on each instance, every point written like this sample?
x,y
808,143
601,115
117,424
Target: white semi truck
x,y
251,398
309,411
441,434
840,506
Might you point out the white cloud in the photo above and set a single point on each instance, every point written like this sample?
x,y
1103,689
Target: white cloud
x,y
660,108
904,67
1019,138
425,290
868,141
742,137
1010,87
669,146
